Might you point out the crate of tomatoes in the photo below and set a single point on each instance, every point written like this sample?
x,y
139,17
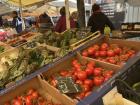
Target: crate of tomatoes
x,y
32,92
113,51
77,77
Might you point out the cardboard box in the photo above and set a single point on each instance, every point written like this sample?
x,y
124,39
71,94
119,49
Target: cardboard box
x,y
38,84
66,64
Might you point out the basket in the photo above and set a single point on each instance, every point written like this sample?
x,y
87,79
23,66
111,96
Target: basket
x,y
127,91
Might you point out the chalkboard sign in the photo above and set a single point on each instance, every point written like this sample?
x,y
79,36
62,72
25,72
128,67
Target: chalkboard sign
x,y
66,85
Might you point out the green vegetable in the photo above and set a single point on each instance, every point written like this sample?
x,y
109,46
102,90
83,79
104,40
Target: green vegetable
x,y
2,49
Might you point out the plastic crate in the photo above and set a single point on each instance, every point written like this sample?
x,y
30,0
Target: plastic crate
x,y
125,82
127,91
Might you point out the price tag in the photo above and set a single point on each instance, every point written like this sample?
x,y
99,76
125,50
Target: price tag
x,y
66,85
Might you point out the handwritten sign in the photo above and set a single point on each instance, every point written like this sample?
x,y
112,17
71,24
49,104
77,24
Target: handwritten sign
x,y
67,85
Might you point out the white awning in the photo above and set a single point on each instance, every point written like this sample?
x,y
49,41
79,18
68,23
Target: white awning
x,y
130,2
5,9
72,4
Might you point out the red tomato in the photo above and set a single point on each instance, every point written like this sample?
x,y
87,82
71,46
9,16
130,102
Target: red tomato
x,y
35,95
97,71
74,62
28,100
117,50
96,47
53,82
7,103
77,66
43,103
102,53
88,82
110,53
98,80
108,73
75,73
107,77
89,71
104,47
85,53
112,61
97,54
87,93
91,51
86,88
80,95
91,64
74,77
132,51
79,82
17,102
63,72
78,69
30,91
82,75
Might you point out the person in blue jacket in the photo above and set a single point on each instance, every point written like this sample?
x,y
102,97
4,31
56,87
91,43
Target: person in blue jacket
x,y
17,22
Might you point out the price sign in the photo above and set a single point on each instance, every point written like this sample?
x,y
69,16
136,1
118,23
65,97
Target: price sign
x,y
67,85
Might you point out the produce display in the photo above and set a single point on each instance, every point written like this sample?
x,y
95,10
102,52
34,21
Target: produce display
x,y
17,64
111,53
77,77
19,40
86,74
63,40
2,49
31,97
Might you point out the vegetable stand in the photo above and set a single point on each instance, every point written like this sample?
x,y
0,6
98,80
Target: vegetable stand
x,y
56,66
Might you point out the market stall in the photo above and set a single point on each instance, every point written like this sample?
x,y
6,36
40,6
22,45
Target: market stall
x,y
75,67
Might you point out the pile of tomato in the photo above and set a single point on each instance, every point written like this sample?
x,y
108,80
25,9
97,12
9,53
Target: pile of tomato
x,y
111,53
31,97
86,74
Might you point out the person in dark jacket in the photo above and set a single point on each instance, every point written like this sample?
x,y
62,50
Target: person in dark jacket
x,y
1,21
61,24
45,21
98,20
17,22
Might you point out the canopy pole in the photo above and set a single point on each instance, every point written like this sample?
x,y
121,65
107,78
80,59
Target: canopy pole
x,y
67,14
21,14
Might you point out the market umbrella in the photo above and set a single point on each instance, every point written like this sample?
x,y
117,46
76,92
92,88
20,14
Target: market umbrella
x,y
72,4
5,9
24,2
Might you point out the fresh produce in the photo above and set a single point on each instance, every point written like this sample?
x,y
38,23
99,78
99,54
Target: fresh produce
x,y
111,53
2,49
31,97
62,40
17,64
85,73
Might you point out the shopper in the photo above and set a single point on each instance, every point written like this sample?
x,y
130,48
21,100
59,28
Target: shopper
x,y
17,22
45,21
74,16
98,20
1,21
61,24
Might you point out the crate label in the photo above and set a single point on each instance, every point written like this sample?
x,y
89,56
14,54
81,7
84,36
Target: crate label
x,y
67,85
